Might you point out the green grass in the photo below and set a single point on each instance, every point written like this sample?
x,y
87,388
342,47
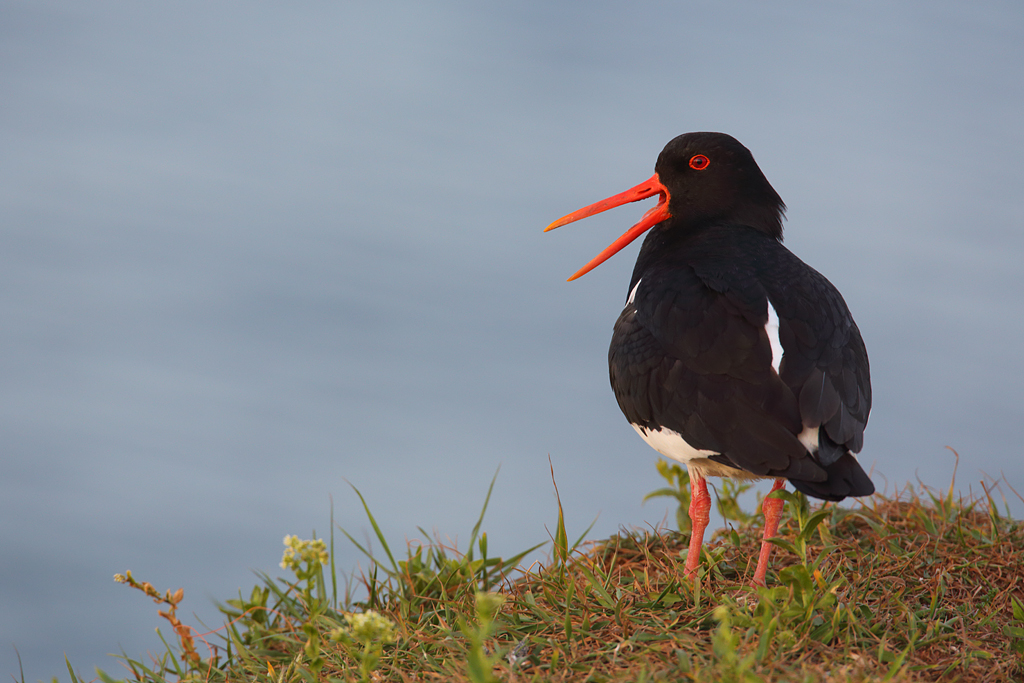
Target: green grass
x,y
923,586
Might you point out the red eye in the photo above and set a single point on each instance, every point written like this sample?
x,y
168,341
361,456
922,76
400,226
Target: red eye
x,y
699,162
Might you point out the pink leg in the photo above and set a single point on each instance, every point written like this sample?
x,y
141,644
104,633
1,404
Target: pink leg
x,y
700,508
772,512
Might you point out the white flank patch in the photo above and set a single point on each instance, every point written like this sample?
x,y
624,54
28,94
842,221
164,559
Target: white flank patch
x,y
809,438
671,444
632,292
772,328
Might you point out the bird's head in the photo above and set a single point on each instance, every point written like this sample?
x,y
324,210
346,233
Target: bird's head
x,y
701,179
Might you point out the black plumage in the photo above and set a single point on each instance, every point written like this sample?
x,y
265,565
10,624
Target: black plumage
x,y
690,353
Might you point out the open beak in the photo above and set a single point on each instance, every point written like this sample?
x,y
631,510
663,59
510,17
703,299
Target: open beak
x,y
648,188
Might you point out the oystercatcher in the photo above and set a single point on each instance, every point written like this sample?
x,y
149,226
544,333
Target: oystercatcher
x,y
732,355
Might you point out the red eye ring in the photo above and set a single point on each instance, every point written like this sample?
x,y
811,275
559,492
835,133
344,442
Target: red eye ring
x,y
699,162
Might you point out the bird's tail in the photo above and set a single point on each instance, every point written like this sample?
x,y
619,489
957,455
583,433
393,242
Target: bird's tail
x,y
845,478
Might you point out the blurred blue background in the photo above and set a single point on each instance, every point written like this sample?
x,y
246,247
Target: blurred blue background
x,y
252,251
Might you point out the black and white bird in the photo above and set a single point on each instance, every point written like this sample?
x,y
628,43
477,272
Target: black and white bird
x,y
732,355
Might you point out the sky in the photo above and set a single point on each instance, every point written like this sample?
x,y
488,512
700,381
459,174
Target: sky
x,y
255,254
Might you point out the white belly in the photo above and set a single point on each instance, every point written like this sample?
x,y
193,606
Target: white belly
x,y
671,444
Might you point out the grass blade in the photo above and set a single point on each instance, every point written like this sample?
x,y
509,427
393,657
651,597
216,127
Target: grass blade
x,y
376,530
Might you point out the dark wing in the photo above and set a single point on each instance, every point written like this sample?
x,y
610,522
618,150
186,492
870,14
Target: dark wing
x,y
698,361
826,366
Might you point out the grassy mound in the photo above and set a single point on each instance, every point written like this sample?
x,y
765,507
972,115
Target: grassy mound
x,y
920,587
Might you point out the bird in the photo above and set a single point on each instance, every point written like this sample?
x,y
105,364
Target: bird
x,y
731,355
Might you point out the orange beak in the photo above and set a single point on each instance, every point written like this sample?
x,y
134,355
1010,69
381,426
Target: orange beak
x,y
659,213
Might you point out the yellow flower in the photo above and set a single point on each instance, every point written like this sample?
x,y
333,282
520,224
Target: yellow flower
x,y
367,627
298,551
